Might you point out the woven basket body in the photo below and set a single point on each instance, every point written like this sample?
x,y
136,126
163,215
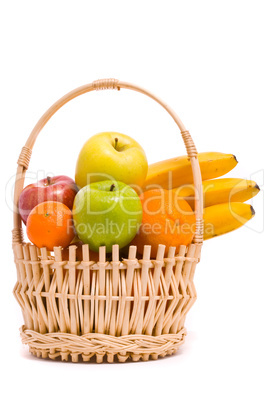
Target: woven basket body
x,y
133,307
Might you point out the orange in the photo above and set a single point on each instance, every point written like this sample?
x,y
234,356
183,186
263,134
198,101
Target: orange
x,y
50,225
167,219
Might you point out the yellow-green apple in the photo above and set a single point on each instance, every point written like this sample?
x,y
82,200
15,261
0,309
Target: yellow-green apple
x,y
58,188
106,213
112,156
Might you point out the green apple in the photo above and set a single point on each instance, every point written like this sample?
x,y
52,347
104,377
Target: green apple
x,y
111,156
106,213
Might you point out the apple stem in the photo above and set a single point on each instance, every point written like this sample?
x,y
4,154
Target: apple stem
x,y
48,180
116,142
112,187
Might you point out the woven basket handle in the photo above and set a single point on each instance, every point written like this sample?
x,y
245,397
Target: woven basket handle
x,y
24,158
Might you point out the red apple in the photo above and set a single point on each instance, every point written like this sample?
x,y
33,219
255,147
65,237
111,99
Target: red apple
x,y
58,188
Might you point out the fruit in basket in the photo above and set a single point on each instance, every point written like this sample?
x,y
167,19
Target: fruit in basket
x,y
219,191
111,156
167,220
175,172
223,218
58,188
106,213
49,224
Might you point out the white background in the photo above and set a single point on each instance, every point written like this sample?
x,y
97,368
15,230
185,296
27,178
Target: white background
x,y
209,61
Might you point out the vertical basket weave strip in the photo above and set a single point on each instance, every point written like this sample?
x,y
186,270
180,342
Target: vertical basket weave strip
x,y
121,308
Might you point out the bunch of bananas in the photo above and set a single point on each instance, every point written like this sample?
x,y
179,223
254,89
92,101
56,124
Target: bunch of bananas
x,y
224,199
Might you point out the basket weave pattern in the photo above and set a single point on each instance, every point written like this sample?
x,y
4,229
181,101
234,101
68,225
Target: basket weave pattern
x,y
116,305
125,308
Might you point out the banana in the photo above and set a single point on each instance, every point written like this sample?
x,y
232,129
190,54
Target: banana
x,y
223,218
175,172
219,191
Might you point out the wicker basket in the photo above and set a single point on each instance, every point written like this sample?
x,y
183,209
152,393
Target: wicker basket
x,y
133,308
